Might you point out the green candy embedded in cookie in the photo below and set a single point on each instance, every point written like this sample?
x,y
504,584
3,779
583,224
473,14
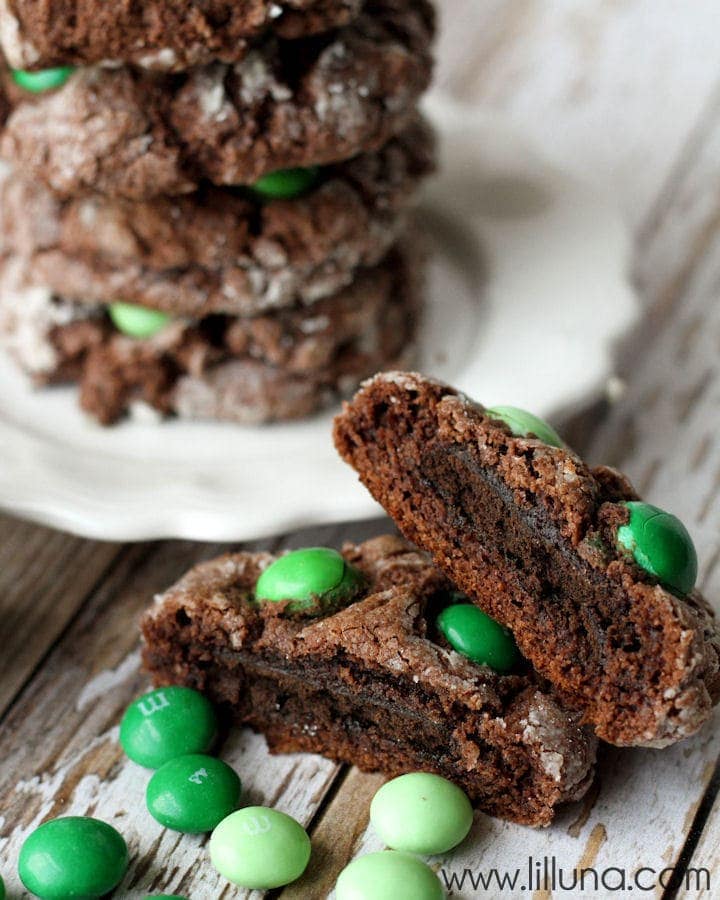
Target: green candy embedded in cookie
x,y
44,80
137,321
660,544
474,634
316,576
524,424
286,183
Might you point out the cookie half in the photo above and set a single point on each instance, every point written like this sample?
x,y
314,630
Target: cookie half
x,y
530,532
137,134
248,370
161,34
368,682
219,250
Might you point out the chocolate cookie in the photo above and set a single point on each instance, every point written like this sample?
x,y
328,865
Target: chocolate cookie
x,y
162,34
366,680
218,250
248,370
541,542
137,134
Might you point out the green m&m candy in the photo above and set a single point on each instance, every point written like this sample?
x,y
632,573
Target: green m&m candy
x,y
167,722
388,875
193,793
2,888
286,183
260,848
73,857
44,80
421,813
524,424
137,321
660,544
474,634
317,576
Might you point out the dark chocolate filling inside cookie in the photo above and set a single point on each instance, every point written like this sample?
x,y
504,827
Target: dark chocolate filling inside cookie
x,y
527,531
378,722
528,547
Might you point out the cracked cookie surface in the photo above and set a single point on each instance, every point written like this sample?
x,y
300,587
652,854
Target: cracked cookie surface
x,y
527,530
218,250
315,101
370,683
161,34
248,370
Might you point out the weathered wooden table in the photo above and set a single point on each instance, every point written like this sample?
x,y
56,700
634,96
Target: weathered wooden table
x,y
627,91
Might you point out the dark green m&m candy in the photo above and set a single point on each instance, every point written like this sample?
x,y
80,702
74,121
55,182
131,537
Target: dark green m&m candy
x,y
167,722
137,321
308,578
474,634
193,793
2,888
73,857
524,424
660,544
286,183
44,80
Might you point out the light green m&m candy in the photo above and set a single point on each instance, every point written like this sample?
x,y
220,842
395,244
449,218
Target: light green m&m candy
x,y
260,848
286,183
44,80
524,424
193,793
74,857
473,633
137,321
388,875
421,813
317,576
168,722
660,544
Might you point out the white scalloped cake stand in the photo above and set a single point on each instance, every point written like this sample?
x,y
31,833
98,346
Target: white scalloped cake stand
x,y
527,295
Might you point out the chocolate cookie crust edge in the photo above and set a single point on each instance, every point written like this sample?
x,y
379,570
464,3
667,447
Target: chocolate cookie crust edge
x,y
287,104
502,737
158,34
219,250
640,662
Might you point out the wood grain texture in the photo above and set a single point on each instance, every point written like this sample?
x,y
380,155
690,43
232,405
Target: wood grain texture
x,y
44,578
627,91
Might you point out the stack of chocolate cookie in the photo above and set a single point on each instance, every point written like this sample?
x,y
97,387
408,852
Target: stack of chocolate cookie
x,y
205,204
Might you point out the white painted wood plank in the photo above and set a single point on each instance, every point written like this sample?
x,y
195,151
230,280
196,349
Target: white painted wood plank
x,y
638,819
612,89
702,881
